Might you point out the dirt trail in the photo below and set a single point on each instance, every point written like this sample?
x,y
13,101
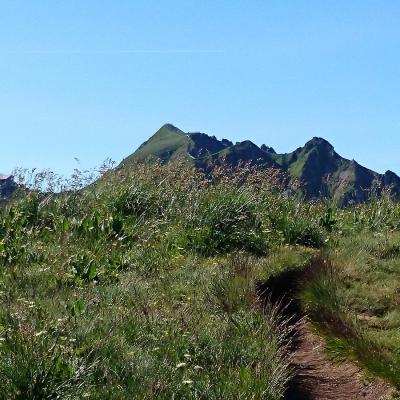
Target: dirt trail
x,y
317,377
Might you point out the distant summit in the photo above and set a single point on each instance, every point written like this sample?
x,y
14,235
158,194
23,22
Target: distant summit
x,y
323,173
7,186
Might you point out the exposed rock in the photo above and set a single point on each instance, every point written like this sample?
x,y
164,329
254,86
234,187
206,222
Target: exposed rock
x,y
7,186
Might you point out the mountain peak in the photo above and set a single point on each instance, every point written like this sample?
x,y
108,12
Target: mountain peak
x,y
318,142
247,143
170,127
162,145
390,173
268,149
7,186
391,180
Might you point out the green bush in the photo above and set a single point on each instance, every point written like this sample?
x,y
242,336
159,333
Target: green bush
x,y
297,223
224,220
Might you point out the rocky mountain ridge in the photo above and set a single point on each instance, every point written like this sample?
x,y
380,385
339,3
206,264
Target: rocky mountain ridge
x,y
320,169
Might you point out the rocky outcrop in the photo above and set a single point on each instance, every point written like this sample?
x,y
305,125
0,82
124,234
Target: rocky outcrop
x,y
7,186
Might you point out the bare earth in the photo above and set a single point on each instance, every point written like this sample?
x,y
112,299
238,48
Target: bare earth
x,y
319,378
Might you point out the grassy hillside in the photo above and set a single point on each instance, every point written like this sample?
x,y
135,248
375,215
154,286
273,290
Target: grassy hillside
x,y
163,145
147,286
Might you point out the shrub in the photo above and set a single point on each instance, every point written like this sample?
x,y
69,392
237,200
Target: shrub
x,y
297,223
137,200
224,220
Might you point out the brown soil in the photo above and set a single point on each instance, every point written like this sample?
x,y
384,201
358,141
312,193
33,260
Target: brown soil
x,y
318,377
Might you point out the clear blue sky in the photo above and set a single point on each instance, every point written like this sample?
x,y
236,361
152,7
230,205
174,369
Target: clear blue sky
x,y
94,79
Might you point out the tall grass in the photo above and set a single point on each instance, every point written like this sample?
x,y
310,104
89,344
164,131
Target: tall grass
x,y
143,283
116,281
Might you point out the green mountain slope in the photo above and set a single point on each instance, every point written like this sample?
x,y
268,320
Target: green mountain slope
x,y
163,145
205,151
320,170
324,173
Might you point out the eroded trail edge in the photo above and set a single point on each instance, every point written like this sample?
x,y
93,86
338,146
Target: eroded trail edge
x,y
316,375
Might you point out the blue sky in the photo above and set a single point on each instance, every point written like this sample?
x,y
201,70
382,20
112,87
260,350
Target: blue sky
x,y
94,79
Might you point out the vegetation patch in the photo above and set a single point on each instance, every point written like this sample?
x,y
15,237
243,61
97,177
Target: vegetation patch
x,y
147,284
